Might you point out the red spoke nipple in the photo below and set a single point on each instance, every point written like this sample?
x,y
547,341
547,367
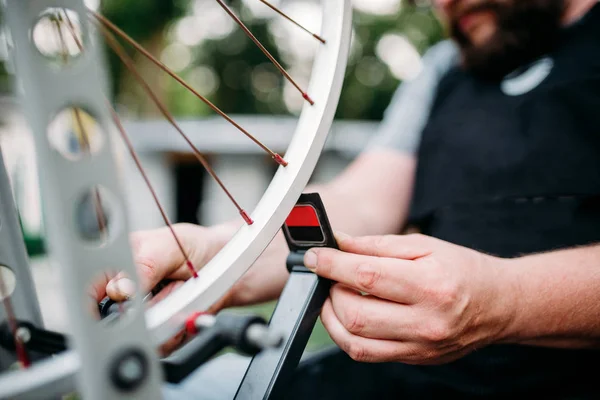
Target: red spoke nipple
x,y
280,160
246,217
192,269
305,95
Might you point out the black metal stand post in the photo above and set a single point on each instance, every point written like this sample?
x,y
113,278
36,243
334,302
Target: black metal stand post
x,y
299,306
295,316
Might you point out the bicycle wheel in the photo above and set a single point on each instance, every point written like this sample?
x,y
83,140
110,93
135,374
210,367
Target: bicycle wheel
x,y
46,91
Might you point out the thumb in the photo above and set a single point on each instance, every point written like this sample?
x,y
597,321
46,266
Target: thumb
x,y
121,288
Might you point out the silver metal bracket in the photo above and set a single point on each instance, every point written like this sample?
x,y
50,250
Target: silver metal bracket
x,y
117,361
13,255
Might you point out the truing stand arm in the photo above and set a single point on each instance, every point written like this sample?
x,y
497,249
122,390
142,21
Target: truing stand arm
x,y
47,91
13,255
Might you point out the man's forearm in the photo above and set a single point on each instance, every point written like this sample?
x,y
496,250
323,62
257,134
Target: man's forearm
x,y
371,196
556,298
265,280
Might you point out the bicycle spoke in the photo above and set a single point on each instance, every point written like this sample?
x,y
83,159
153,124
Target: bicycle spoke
x,y
136,159
72,29
116,47
284,15
265,51
116,30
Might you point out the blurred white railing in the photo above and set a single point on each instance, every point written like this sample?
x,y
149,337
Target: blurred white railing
x,y
241,164
244,168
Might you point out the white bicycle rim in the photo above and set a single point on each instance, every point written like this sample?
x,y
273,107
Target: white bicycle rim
x,y
165,319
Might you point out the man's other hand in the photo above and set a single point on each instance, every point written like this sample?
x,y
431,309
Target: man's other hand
x,y
411,299
158,258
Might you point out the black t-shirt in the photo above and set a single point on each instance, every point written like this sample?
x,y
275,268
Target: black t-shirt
x,y
513,168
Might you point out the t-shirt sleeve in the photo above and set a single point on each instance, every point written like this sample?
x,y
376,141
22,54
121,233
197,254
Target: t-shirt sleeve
x,y
406,116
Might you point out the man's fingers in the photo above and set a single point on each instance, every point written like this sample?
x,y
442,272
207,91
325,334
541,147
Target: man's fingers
x,y
156,255
358,348
121,288
387,278
97,290
371,317
406,247
369,350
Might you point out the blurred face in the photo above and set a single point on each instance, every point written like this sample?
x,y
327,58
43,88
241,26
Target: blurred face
x,y
498,36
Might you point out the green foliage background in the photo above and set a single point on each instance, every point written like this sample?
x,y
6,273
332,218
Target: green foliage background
x,y
149,22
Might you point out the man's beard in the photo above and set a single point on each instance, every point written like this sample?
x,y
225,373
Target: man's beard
x,y
525,30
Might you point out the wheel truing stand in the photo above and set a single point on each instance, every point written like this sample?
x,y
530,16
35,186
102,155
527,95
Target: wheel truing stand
x,y
13,255
298,307
45,90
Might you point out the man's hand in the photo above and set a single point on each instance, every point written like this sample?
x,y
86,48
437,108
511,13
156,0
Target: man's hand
x,y
411,299
157,257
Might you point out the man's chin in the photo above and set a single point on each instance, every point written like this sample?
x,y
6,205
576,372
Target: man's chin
x,y
523,32
482,63
496,58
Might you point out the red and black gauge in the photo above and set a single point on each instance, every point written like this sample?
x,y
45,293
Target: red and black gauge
x,y
299,305
307,225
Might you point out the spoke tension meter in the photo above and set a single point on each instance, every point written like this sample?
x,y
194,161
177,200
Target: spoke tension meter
x,y
299,305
